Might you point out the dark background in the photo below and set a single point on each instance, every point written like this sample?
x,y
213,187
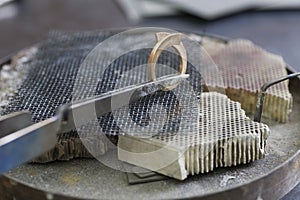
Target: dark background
x,y
27,22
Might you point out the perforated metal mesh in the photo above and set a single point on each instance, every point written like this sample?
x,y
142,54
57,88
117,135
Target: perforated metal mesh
x,y
50,81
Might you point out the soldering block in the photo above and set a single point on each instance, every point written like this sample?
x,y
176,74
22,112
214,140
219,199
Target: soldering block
x,y
242,68
226,137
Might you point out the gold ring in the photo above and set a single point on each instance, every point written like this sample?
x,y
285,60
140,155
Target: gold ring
x,y
164,41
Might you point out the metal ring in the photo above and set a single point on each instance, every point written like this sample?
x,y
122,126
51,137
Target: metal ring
x,y
164,41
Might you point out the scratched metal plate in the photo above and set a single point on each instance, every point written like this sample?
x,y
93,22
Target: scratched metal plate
x,y
269,178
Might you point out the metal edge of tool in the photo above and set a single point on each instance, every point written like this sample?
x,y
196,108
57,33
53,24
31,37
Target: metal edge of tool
x,y
261,187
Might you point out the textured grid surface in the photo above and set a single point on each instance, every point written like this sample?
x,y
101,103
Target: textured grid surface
x,y
230,137
245,67
52,76
50,82
226,138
